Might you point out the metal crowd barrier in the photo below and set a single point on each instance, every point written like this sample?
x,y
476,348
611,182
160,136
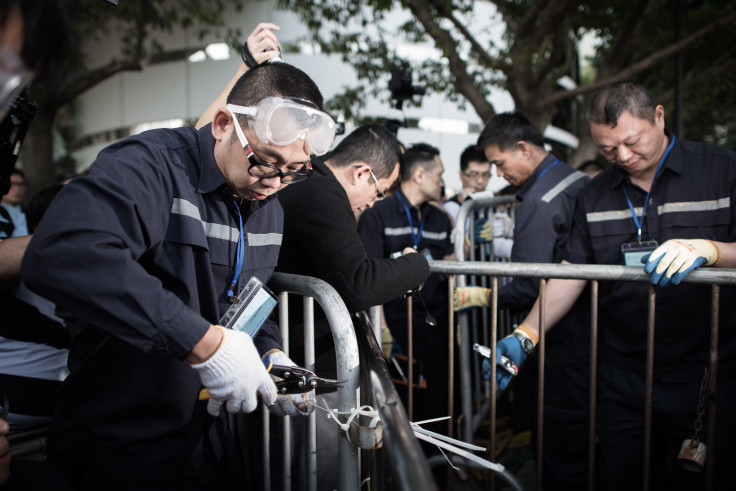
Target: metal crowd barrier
x,y
399,464
478,266
593,273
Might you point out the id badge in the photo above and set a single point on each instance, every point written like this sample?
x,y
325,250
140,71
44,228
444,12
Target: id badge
x,y
251,309
634,251
426,253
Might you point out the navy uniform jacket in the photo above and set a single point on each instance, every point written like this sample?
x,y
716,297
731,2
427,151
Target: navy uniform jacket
x,y
543,223
385,230
142,251
694,197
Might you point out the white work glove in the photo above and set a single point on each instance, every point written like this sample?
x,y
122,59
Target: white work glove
x,y
467,297
673,260
234,375
502,225
290,404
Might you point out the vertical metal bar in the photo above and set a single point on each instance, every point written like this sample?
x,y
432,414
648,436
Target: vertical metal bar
x,y
494,389
540,382
593,382
712,385
410,335
374,314
285,420
648,388
308,303
266,448
450,356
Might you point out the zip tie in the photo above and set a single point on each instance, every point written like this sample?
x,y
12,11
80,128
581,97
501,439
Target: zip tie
x,y
359,411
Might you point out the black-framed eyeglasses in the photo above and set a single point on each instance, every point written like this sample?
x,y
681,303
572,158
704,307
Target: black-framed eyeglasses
x,y
264,170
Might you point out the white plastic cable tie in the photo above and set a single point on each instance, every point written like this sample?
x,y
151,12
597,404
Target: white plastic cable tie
x,y
359,411
459,451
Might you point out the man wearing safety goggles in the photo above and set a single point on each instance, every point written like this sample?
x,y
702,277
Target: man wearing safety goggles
x,y
175,224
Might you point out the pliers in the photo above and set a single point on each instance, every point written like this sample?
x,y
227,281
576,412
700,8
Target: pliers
x,y
295,380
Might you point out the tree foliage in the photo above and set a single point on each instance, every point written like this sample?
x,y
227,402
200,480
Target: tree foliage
x,y
138,24
538,45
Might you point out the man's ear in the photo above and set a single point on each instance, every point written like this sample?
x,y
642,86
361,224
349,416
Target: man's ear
x,y
221,124
356,169
418,174
524,148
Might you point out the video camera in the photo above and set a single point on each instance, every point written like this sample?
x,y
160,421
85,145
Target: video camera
x,y
402,89
12,132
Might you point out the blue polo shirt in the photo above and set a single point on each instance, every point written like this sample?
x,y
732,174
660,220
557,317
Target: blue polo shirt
x,y
692,198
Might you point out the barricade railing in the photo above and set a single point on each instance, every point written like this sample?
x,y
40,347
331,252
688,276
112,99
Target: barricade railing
x,y
593,273
400,451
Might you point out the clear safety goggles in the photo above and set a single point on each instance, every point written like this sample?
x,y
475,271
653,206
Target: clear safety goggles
x,y
282,121
14,77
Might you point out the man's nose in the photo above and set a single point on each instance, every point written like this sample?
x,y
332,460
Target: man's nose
x,y
623,153
271,182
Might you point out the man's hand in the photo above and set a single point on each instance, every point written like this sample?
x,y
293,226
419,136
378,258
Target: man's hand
x,y
261,45
673,260
470,296
234,375
483,230
290,404
511,348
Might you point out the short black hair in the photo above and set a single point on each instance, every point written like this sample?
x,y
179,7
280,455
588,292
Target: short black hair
x,y
275,80
419,154
373,144
505,130
472,153
607,105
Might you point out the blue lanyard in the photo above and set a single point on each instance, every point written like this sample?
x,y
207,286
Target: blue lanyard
x,y
639,221
240,253
414,237
547,168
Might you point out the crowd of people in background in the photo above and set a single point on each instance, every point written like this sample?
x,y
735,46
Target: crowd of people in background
x,y
114,283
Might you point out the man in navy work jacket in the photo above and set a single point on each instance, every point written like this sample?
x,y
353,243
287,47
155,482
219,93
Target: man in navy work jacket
x,y
671,204
147,252
543,221
408,219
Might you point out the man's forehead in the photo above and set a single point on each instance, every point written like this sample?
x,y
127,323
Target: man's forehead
x,y
478,163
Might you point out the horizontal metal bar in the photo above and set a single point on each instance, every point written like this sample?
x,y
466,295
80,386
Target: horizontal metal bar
x,y
600,272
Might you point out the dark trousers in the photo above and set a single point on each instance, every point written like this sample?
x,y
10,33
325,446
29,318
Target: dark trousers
x,y
566,425
674,405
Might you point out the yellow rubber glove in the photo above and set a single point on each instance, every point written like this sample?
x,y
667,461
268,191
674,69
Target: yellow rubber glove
x,y
673,260
470,296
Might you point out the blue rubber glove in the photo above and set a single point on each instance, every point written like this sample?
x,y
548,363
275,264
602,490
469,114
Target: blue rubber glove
x,y
510,347
673,260
483,230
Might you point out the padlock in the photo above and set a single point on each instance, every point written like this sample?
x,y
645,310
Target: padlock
x,y
692,457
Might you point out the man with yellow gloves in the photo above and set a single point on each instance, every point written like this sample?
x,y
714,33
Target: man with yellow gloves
x,y
670,204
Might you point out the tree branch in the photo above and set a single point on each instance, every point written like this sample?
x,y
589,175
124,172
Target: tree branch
x,y
642,65
464,82
480,50
80,84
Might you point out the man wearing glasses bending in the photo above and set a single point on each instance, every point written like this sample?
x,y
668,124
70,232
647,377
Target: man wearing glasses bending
x,y
147,252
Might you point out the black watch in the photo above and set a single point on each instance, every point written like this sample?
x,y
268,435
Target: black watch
x,y
526,343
